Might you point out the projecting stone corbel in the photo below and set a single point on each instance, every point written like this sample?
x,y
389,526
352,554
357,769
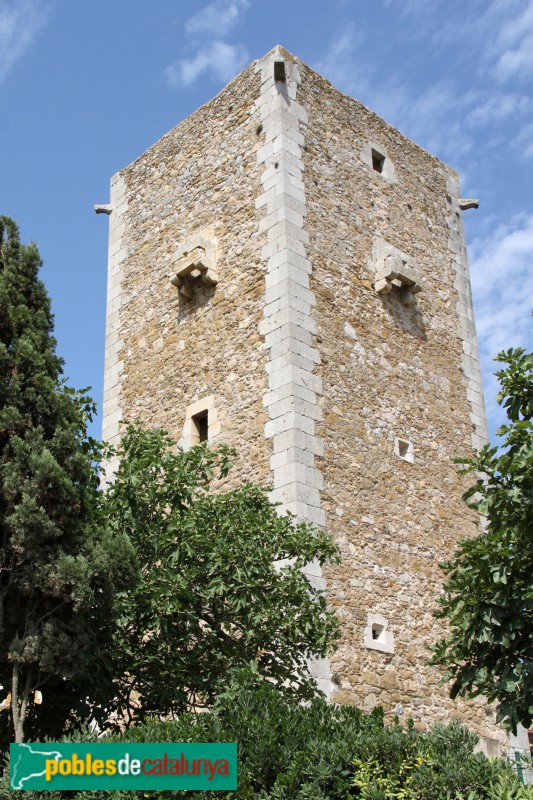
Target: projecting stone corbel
x,y
468,202
394,272
103,208
194,260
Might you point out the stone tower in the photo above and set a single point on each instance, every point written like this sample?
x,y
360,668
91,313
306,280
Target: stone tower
x,y
288,274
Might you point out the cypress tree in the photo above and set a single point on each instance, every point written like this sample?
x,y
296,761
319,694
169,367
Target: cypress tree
x,y
58,570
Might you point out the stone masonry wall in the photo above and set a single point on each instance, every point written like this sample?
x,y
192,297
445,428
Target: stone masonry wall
x,y
388,372
201,178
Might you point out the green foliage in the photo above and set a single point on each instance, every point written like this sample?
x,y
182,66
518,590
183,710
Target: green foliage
x,y
287,751
489,591
370,776
506,787
208,597
57,569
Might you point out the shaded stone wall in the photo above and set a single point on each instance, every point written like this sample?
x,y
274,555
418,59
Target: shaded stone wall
x,y
388,372
201,178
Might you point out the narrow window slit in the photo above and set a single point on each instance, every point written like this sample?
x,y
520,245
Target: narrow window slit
x,y
279,71
378,161
377,630
404,449
201,424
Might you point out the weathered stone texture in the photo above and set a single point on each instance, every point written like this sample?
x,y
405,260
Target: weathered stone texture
x,y
387,371
201,178
320,381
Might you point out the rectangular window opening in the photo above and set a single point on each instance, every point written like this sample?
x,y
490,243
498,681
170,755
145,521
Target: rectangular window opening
x,y
377,630
201,424
378,161
403,448
279,71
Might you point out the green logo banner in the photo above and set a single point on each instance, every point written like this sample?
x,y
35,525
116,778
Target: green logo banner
x,y
58,766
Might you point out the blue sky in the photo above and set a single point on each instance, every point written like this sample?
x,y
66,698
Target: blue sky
x,y
85,88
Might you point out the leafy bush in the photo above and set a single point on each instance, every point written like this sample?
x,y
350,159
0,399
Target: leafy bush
x,y
488,598
322,752
209,596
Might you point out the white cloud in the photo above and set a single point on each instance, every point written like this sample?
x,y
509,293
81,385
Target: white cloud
x,y
502,276
222,59
502,35
516,41
20,22
487,36
524,141
515,28
414,8
206,30
497,106
433,117
216,19
339,64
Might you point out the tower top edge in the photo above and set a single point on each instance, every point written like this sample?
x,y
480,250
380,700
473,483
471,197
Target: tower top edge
x,y
281,52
